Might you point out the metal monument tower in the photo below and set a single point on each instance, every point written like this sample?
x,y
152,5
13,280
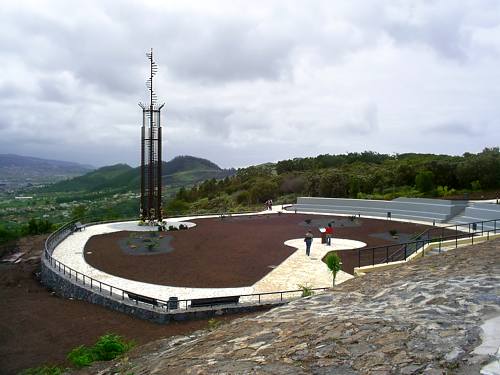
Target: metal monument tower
x,y
151,184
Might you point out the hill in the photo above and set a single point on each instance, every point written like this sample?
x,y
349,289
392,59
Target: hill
x,y
179,172
19,171
99,179
366,175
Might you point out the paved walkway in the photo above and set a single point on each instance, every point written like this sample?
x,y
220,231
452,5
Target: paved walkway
x,y
297,269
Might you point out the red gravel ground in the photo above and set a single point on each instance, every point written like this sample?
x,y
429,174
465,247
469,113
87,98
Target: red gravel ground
x,y
38,328
233,252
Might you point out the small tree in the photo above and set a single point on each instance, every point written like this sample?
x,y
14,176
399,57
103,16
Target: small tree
x,y
334,264
424,181
78,212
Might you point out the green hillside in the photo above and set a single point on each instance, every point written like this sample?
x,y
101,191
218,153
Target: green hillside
x,y
368,175
182,171
99,179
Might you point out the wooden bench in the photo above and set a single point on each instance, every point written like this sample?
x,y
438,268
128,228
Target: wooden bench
x,y
78,227
214,301
144,299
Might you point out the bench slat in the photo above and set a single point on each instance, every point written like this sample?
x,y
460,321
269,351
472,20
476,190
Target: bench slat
x,y
205,302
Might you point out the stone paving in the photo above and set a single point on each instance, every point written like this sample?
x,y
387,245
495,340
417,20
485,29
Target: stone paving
x,y
299,269
421,318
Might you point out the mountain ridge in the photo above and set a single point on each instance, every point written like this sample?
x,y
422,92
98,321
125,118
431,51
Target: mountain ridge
x,y
180,171
20,171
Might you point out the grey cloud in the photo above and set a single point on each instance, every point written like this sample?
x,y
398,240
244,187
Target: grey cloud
x,y
229,51
366,124
455,129
211,121
247,83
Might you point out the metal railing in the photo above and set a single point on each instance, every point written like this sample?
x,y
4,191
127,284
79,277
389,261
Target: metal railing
x,y
155,304
401,252
174,215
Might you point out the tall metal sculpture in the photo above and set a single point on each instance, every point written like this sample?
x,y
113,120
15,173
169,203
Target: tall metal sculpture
x,y
151,184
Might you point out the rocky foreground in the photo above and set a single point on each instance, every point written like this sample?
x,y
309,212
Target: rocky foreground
x,y
421,318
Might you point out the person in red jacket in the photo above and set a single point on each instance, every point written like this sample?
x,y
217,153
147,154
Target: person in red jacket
x,y
329,234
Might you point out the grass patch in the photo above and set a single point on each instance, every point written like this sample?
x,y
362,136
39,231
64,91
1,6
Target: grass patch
x,y
106,348
213,324
306,290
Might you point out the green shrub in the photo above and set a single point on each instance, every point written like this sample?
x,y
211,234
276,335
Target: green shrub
x,y
110,346
424,181
243,197
178,206
106,348
7,234
81,356
306,290
38,227
213,324
476,185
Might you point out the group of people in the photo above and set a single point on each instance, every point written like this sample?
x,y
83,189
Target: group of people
x,y
269,204
309,238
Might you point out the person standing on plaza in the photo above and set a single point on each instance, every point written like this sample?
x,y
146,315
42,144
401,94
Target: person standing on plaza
x,y
329,234
308,240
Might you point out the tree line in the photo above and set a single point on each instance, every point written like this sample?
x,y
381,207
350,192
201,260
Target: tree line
x,y
353,175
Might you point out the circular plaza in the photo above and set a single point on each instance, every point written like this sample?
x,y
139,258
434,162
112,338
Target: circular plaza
x,y
216,257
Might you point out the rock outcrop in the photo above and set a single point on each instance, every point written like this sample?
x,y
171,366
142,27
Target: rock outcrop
x,y
421,318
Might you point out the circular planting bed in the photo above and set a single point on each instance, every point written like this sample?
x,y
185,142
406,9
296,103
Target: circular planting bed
x,y
145,243
231,252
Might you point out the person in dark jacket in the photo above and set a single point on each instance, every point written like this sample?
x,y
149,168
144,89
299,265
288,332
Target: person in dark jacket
x,y
308,240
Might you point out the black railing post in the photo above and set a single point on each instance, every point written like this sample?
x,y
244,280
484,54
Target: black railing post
x,y
387,254
359,258
405,249
373,256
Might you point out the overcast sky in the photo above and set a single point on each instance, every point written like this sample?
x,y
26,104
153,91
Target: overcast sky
x,y
249,82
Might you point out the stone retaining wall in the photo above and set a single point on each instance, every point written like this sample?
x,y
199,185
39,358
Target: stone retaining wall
x,y
67,288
